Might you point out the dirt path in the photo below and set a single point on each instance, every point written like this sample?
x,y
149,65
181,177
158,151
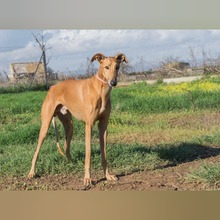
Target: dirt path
x,y
169,179
169,80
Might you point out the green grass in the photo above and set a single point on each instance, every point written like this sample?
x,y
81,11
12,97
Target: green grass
x,y
148,129
19,88
208,173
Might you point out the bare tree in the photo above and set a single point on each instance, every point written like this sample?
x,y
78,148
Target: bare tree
x,y
41,40
140,65
169,62
211,64
204,59
192,56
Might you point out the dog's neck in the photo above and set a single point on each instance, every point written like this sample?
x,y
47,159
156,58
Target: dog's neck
x,y
100,79
105,90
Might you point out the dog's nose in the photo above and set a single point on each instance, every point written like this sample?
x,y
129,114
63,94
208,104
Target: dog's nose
x,y
113,83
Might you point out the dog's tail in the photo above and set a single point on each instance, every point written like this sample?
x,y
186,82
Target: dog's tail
x,y
57,136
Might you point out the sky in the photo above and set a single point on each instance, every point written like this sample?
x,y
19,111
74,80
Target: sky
x,y
68,50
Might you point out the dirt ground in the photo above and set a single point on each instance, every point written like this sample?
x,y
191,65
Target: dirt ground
x,y
172,178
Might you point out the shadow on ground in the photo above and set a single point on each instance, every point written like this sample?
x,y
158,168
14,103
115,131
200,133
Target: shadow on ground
x,y
172,154
182,153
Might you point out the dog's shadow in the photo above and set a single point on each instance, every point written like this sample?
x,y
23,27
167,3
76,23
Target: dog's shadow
x,y
181,153
173,155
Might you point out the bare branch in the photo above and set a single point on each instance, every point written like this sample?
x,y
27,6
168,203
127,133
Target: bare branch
x,y
42,44
35,37
192,56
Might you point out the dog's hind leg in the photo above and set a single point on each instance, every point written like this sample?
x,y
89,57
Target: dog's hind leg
x,y
67,122
47,113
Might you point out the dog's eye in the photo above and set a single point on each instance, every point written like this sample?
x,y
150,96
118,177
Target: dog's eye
x,y
107,67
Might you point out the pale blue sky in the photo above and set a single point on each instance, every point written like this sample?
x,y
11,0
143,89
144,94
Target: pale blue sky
x,y
70,48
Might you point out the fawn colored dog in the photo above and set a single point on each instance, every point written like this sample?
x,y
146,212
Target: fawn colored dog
x,y
87,100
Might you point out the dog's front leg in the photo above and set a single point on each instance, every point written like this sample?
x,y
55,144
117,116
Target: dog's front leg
x,y
88,131
103,139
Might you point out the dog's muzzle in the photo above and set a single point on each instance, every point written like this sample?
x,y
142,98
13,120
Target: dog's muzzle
x,y
113,83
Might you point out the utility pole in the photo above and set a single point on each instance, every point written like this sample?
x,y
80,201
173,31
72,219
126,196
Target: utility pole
x,y
42,45
45,65
35,72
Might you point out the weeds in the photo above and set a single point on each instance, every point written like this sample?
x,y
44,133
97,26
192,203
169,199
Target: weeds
x,y
161,98
208,173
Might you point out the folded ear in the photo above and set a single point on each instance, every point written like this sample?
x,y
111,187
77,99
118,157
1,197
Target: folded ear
x,y
99,57
121,57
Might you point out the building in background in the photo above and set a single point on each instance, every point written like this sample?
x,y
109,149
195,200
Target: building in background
x,y
25,71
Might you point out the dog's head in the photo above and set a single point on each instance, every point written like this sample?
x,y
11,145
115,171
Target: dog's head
x,y
109,66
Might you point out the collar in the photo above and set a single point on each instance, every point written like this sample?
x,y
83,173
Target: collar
x,y
103,81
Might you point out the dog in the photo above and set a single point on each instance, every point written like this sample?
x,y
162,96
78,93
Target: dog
x,y
87,100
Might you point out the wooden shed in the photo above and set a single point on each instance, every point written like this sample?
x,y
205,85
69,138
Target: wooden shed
x,y
25,71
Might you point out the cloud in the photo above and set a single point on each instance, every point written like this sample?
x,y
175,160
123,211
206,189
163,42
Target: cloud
x,y
16,46
70,48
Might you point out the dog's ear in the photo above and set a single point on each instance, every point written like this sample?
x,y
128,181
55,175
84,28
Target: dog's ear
x,y
121,58
99,57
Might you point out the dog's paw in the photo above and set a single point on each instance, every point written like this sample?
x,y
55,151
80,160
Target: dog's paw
x,y
87,181
31,175
111,177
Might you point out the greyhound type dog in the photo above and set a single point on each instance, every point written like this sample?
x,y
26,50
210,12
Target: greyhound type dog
x,y
87,100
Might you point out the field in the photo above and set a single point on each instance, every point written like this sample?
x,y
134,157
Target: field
x,y
160,137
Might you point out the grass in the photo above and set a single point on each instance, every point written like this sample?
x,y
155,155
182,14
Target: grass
x,y
151,126
20,87
208,173
161,98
